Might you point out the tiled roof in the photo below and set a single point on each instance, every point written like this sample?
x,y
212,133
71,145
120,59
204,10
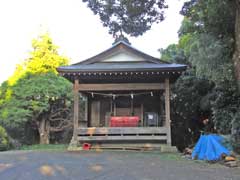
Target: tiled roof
x,y
122,67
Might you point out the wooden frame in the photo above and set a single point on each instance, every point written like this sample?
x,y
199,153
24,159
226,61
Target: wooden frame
x,y
121,87
124,87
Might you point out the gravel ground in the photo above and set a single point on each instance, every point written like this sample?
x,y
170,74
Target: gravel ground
x,y
35,165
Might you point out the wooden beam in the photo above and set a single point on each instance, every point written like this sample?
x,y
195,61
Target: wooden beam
x,y
121,87
121,138
167,110
121,130
75,108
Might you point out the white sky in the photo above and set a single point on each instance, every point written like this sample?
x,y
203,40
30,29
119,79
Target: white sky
x,y
73,27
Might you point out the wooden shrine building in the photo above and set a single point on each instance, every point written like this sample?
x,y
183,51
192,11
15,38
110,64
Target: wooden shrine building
x,y
122,95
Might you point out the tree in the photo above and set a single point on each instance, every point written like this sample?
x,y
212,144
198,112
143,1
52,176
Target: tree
x,y
207,38
189,101
221,20
35,94
44,58
133,17
41,99
236,55
212,16
174,54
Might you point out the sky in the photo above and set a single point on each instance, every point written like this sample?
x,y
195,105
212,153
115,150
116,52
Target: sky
x,y
73,27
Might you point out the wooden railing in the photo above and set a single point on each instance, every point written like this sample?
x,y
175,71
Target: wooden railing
x,y
122,134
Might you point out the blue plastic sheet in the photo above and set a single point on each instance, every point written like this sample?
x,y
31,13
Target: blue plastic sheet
x,y
210,148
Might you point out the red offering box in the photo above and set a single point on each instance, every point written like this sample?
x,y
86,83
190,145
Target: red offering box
x,y
124,121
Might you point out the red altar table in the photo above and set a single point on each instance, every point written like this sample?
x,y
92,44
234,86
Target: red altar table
x,y
124,121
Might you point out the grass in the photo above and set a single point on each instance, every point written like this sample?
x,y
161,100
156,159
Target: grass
x,y
45,147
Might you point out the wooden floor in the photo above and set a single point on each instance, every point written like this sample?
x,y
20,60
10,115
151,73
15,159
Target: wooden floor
x,y
121,134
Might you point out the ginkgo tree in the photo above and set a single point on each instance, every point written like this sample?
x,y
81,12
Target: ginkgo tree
x,y
43,58
35,94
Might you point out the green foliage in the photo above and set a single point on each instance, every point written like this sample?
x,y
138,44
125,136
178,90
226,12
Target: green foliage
x,y
206,43
236,130
35,90
225,106
185,43
32,95
133,17
173,54
212,58
169,52
46,147
188,95
4,142
187,27
211,16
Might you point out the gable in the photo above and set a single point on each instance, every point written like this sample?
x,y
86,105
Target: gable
x,y
121,52
123,56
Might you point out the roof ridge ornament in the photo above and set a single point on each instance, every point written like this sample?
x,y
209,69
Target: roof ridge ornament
x,y
121,38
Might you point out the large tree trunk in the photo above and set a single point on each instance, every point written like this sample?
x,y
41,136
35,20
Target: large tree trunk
x,y
236,56
44,129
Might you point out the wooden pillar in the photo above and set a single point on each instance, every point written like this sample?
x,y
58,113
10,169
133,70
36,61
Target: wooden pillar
x,y
142,115
167,110
75,108
132,108
86,112
114,108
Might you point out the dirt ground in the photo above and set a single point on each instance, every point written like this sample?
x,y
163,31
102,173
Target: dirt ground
x,y
35,165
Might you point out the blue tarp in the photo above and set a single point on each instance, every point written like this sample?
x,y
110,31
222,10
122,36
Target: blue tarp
x,y
210,148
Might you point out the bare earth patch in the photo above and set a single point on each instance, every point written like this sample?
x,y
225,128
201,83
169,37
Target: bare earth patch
x,y
4,166
47,170
96,168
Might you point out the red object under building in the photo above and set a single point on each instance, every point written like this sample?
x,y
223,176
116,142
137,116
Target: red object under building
x,y
86,146
124,121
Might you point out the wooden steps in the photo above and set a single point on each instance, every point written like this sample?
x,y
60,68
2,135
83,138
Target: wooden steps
x,y
129,147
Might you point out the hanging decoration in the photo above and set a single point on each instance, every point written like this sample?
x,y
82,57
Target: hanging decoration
x,y
131,95
114,96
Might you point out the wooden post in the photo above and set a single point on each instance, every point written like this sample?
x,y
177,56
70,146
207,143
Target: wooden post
x,y
114,108
142,115
167,110
75,108
111,107
86,112
132,108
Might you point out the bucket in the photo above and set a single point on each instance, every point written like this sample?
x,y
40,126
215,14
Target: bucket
x,y
86,146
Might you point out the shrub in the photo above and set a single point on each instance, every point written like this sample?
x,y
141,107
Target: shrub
x,y
4,141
